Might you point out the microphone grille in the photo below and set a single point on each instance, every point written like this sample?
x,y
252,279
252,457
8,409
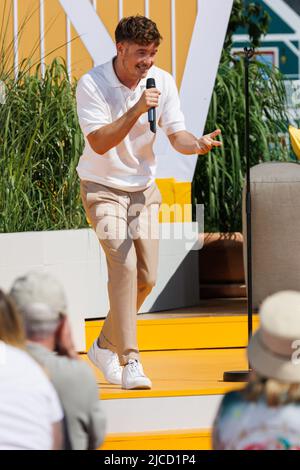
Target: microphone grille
x,y
150,83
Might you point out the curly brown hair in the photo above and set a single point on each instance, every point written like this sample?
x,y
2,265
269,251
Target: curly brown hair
x,y
138,29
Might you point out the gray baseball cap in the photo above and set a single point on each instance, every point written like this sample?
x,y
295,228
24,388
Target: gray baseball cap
x,y
41,299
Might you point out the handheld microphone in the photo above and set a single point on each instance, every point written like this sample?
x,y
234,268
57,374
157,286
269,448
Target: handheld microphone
x,y
152,111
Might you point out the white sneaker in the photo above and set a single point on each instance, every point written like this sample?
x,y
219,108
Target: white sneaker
x,y
133,376
107,361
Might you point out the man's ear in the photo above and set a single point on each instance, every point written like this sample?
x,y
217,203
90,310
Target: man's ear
x,y
120,48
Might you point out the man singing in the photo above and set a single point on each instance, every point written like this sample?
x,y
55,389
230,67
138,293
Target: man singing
x,y
117,175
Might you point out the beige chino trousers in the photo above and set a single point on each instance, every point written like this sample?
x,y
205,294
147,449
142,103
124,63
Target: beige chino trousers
x,y
126,224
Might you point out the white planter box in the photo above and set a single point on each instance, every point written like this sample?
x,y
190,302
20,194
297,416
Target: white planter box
x,y
77,260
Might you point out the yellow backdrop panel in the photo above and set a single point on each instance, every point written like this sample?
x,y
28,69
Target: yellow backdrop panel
x,y
56,39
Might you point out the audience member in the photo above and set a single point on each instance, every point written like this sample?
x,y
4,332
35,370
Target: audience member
x,y
30,411
42,302
265,414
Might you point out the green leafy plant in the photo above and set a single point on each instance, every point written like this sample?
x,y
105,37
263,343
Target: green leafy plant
x,y
249,16
40,142
219,176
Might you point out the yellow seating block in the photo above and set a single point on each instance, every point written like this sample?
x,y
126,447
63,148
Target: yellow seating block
x,y
295,140
176,200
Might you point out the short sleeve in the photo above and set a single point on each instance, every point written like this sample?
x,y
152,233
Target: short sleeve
x,y
172,118
92,109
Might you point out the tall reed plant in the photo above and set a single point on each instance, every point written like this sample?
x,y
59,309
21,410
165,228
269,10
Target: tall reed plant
x,y
40,139
40,143
219,176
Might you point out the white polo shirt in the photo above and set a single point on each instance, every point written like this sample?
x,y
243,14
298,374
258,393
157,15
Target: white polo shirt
x,y
101,100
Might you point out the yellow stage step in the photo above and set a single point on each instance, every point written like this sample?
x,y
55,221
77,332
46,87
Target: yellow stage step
x,y
203,332
185,353
178,412
165,440
180,373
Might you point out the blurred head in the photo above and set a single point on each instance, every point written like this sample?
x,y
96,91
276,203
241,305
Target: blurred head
x,y
273,348
137,41
41,301
11,324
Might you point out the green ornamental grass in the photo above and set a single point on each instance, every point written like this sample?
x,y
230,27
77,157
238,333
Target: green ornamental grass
x,y
40,143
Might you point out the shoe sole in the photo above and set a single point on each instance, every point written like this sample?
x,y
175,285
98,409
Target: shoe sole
x,y
138,387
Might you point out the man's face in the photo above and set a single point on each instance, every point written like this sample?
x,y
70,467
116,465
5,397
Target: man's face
x,y
136,59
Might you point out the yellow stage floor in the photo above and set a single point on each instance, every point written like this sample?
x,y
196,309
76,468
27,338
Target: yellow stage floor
x,y
185,353
180,373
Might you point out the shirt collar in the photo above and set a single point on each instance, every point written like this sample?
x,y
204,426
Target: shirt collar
x,y
34,347
115,82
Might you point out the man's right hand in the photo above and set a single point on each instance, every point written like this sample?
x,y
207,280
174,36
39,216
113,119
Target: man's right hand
x,y
64,341
149,99
110,135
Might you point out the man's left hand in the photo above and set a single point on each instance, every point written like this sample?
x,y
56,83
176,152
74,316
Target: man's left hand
x,y
207,142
